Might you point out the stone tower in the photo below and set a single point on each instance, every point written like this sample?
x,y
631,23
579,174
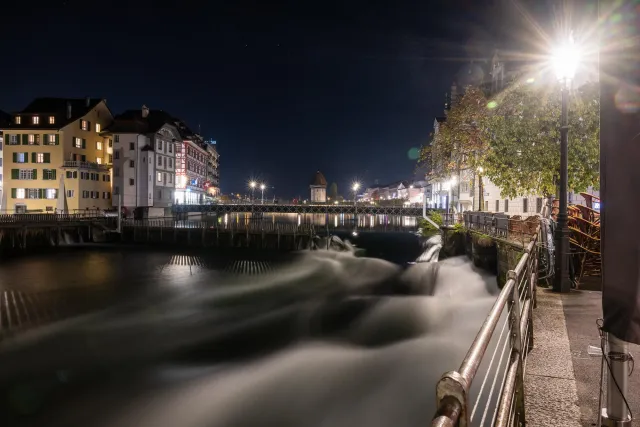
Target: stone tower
x,y
318,188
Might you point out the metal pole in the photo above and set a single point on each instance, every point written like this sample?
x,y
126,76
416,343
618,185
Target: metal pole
x,y
561,280
119,213
481,195
262,202
617,413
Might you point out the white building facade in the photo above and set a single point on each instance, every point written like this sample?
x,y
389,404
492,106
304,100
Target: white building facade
x,y
143,163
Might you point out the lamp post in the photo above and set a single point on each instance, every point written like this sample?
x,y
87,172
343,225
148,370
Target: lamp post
x,y
262,187
480,190
355,187
252,184
565,61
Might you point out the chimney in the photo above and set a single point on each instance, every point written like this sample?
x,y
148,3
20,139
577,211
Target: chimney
x,y
145,111
68,110
87,101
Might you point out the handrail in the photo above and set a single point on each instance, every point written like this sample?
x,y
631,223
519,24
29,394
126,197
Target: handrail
x,y
454,388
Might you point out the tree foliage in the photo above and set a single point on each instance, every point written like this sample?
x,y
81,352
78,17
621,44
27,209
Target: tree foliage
x,y
460,139
515,139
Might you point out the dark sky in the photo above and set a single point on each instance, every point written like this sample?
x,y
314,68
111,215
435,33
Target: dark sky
x,y
286,88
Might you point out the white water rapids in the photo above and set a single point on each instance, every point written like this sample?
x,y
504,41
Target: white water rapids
x,y
378,367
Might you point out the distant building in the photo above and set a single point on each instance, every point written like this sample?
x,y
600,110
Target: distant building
x,y
318,188
143,161
213,170
5,120
55,158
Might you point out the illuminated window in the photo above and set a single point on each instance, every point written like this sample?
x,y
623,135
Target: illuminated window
x,y
99,160
84,125
52,120
52,139
25,174
98,127
20,193
99,145
159,177
31,139
51,193
35,120
40,158
77,142
18,120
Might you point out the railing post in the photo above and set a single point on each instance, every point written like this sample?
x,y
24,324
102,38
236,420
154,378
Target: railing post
x,y
516,345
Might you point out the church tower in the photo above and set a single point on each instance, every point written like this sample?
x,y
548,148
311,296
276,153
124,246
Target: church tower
x,y
318,188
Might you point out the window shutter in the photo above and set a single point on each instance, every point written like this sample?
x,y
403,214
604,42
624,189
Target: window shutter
x,y
80,123
47,157
88,125
53,174
17,138
35,174
83,158
25,141
40,193
15,173
26,157
15,157
84,143
57,139
13,193
33,157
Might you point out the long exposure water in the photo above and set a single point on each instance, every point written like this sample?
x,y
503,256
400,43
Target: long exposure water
x,y
316,339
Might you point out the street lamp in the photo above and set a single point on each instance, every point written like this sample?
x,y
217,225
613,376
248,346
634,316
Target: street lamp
x,y
355,187
565,61
480,189
262,187
252,184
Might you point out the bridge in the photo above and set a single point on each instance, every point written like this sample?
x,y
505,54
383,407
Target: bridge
x,y
344,208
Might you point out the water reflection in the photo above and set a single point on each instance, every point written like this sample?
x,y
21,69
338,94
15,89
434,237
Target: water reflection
x,y
330,221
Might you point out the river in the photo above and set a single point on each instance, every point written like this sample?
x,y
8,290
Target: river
x,y
315,339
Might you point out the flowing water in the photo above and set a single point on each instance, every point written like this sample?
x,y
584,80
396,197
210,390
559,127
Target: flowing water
x,y
322,338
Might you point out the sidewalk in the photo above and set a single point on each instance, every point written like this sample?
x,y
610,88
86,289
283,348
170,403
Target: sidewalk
x,y
562,380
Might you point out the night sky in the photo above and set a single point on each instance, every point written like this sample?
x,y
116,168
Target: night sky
x,y
285,88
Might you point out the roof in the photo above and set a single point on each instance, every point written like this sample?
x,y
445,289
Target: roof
x,y
56,107
5,119
319,180
131,121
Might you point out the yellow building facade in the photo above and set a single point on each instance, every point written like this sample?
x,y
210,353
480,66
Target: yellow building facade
x,y
55,159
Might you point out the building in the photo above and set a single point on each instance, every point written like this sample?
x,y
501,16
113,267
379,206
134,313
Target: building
x,y
5,119
318,188
212,182
55,158
191,169
144,145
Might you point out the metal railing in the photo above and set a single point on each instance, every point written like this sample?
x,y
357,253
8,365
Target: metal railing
x,y
249,226
500,398
49,218
501,225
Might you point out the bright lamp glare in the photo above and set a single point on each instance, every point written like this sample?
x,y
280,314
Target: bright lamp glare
x,y
565,60
356,185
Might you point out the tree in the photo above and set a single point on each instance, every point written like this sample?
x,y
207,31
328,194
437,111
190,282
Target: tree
x,y
524,133
515,138
333,191
460,139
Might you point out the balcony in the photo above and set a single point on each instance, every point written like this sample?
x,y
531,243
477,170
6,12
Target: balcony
x,y
77,164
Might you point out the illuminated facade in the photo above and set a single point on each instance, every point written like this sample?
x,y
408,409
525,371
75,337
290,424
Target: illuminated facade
x,y
144,161
191,174
5,120
318,188
55,158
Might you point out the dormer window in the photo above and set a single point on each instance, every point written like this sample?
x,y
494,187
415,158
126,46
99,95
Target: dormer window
x,y
52,120
17,120
84,125
35,120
